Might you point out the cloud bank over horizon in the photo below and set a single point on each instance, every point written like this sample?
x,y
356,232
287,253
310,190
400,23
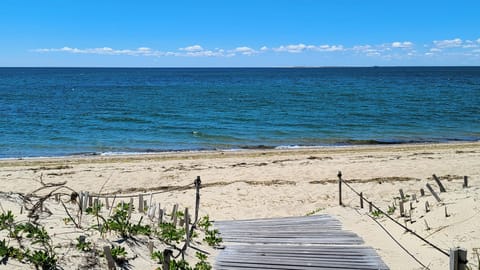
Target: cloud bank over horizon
x,y
390,50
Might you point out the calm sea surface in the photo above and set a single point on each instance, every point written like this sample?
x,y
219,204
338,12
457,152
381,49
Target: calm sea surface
x,y
62,111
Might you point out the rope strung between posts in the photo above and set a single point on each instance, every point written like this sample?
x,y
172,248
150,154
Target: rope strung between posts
x,y
152,193
398,243
392,219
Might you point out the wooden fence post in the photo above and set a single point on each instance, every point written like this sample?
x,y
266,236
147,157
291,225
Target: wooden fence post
x,y
361,200
402,210
422,192
140,203
197,182
167,253
465,181
160,215
86,197
442,188
130,208
150,247
80,201
187,228
339,187
433,193
90,201
174,215
402,196
458,259
108,256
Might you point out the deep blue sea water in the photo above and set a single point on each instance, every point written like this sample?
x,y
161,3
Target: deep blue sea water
x,y
63,111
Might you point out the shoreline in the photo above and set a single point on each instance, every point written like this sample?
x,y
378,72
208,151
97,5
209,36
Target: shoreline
x,y
339,144
251,152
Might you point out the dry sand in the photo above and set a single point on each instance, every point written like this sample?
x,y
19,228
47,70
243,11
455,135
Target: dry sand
x,y
293,182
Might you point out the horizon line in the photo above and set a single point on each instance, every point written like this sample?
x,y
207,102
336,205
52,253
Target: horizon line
x,y
252,67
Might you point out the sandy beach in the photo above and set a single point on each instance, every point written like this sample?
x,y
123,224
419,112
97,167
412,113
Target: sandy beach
x,y
295,182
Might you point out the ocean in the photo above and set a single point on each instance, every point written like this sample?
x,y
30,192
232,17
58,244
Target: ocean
x,y
68,111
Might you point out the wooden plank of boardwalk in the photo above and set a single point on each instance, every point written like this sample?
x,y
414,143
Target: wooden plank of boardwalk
x,y
314,242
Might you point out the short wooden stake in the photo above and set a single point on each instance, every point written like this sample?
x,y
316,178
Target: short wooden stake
x,y
160,215
150,247
411,216
145,206
167,253
80,200
361,200
402,210
422,192
427,207
198,184
446,213
339,188
370,207
90,201
433,193
465,181
458,259
130,208
442,188
414,197
107,204
426,225
151,211
174,214
140,203
187,228
85,200
402,196
108,255
411,206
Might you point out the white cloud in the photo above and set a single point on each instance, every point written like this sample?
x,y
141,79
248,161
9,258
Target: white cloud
x,y
361,48
448,43
393,50
405,44
298,48
245,50
104,51
328,48
193,48
208,53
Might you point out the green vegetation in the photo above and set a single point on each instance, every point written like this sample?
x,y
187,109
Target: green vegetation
x,y
30,243
377,213
391,209
41,255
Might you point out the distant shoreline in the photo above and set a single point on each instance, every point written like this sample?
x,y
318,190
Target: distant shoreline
x,y
188,154
153,152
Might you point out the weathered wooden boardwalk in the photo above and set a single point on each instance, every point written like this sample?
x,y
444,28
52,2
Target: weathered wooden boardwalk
x,y
314,242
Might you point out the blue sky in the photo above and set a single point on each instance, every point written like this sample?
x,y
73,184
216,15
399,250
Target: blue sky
x,y
239,33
